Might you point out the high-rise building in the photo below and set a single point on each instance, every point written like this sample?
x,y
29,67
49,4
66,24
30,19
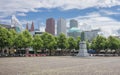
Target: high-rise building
x,y
61,26
27,27
32,27
16,24
73,23
50,26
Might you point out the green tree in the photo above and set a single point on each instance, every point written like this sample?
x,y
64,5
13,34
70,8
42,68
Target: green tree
x,y
72,43
27,39
48,41
11,38
44,37
113,43
98,43
88,45
19,41
51,43
56,40
37,43
77,41
62,42
3,38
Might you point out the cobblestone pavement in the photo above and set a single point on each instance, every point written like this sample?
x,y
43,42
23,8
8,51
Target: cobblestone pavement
x,y
60,65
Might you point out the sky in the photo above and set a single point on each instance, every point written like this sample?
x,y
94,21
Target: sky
x,y
103,14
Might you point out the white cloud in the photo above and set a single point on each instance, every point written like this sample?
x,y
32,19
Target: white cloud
x,y
5,21
24,22
8,7
106,12
95,20
21,14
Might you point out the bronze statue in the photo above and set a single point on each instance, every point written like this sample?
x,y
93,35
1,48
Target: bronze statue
x,y
82,36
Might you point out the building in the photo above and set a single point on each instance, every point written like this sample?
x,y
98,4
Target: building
x,y
61,26
73,23
15,23
90,35
32,27
27,27
50,26
74,32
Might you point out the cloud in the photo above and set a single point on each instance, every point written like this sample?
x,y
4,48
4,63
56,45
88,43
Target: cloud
x,y
5,21
107,12
9,7
22,7
21,14
95,20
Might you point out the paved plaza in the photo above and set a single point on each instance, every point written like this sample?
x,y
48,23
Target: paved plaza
x,y
60,65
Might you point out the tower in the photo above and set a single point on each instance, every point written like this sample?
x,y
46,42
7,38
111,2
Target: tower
x,y
32,27
61,26
50,26
27,27
73,23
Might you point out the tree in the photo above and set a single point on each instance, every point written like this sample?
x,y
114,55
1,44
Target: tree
x,y
62,42
27,38
3,38
113,43
44,37
19,41
77,41
11,38
37,43
51,43
48,41
56,40
98,43
88,45
72,43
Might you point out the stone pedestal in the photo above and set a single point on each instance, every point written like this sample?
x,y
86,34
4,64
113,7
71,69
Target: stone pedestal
x,y
83,50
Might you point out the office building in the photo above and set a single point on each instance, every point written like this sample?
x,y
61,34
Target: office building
x,y
90,35
73,23
61,26
50,26
15,23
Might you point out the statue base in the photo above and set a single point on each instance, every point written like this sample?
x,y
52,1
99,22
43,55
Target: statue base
x,y
83,50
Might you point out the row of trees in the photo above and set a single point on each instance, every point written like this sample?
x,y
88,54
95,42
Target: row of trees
x,y
107,44
10,39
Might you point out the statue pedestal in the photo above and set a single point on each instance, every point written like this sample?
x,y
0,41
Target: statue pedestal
x,y
83,50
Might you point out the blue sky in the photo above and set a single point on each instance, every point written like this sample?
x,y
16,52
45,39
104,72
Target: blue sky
x,y
104,14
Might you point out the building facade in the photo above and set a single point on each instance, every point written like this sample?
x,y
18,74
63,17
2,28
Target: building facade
x,y
15,23
73,23
61,26
50,26
90,35
74,32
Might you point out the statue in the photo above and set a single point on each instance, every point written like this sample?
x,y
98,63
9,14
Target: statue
x,y
82,36
83,49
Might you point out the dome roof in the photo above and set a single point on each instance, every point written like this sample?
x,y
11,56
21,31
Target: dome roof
x,y
74,29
